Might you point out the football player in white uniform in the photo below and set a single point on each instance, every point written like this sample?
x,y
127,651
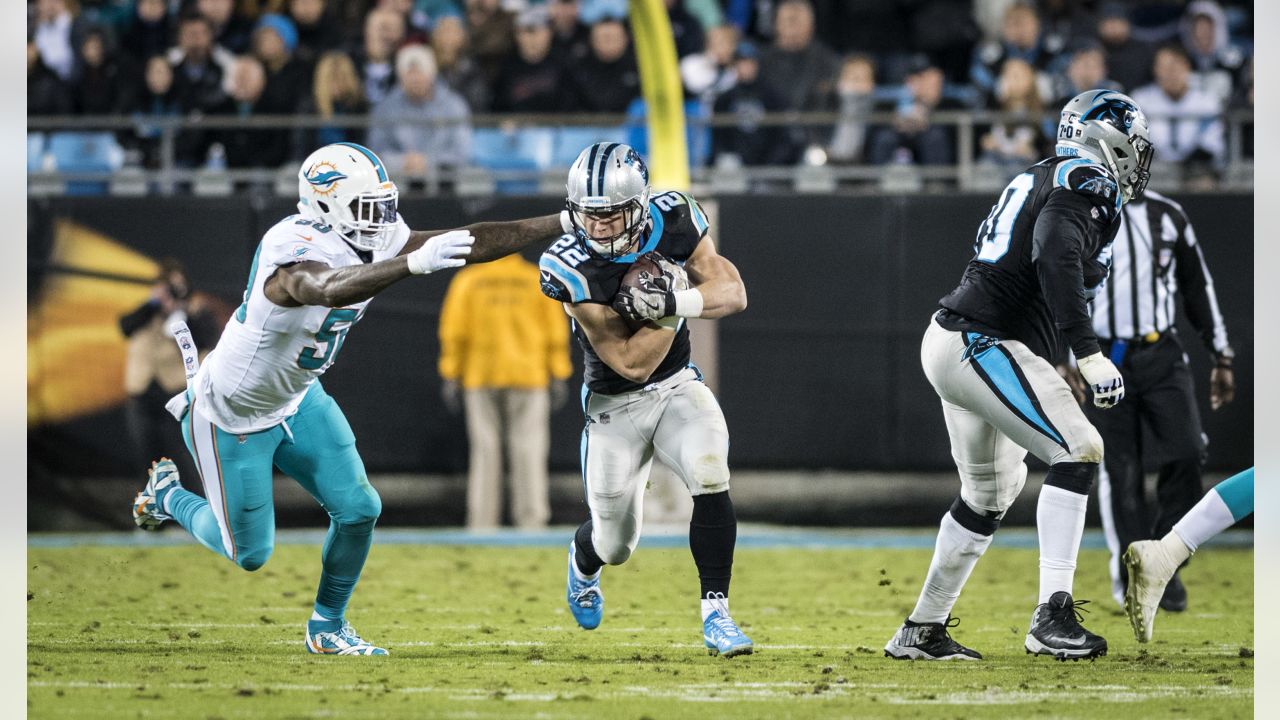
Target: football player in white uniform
x,y
257,402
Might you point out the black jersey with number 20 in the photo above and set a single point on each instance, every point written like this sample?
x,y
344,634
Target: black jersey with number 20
x,y
1041,254
572,274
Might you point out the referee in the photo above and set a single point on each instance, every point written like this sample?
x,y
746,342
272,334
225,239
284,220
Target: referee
x,y
1154,257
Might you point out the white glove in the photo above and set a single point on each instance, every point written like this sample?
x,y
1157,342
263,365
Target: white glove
x,y
1101,375
447,250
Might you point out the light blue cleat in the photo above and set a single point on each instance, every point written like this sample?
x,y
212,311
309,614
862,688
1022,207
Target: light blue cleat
x,y
161,478
586,600
333,637
721,634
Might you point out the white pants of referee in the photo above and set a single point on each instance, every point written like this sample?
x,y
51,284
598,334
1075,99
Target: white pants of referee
x,y
677,420
1001,400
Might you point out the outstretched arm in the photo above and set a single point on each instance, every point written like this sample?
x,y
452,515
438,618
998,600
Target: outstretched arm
x,y
496,239
315,283
632,354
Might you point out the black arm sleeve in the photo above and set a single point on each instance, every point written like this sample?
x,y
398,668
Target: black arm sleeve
x,y
1061,234
133,322
1196,284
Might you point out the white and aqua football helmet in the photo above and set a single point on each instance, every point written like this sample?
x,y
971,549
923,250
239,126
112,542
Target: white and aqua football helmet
x,y
346,186
1110,129
605,179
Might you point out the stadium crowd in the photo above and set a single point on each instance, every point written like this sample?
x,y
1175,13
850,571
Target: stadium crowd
x,y
1185,63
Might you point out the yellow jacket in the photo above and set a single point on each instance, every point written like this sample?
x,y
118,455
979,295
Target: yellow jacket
x,y
497,329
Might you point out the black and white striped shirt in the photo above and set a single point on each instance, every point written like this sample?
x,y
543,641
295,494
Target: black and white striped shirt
x,y
1154,255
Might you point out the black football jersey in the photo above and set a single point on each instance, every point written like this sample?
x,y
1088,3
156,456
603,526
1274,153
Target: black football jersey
x,y
573,274
1041,255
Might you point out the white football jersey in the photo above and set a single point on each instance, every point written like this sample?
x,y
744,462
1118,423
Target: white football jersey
x,y
269,355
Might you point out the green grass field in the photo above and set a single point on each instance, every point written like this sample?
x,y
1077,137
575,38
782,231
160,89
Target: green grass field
x,y
480,632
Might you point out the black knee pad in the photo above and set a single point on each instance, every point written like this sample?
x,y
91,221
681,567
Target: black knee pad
x,y
972,520
1072,476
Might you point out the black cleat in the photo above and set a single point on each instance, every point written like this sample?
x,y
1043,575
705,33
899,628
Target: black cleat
x,y
1175,596
927,641
1056,630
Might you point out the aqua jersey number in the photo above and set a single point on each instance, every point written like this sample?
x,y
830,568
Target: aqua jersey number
x,y
329,339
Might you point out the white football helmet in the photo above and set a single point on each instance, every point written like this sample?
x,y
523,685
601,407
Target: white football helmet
x,y
1110,129
605,179
346,186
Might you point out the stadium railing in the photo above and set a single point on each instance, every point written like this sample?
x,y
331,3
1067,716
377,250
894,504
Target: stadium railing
x,y
529,154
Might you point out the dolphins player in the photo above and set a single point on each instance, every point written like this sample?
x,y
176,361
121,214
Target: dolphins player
x,y
257,401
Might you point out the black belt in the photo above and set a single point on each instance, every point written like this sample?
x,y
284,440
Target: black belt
x,y
1150,338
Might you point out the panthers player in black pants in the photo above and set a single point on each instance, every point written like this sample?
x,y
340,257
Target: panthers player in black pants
x,y
642,397
989,352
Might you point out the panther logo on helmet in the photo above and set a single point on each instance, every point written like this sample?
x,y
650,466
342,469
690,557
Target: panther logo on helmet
x,y
1110,129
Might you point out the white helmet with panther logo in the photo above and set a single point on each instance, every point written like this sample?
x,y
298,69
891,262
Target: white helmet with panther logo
x,y
605,179
1110,129
345,185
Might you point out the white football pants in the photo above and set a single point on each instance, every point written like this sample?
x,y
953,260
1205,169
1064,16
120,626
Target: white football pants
x,y
680,421
1000,401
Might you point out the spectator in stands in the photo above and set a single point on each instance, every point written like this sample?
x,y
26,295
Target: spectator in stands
x,y
55,31
231,30
492,36
335,92
383,32
107,82
197,84
318,32
709,74
798,69
1020,37
47,94
685,28
946,31
1185,123
157,100
913,136
1128,59
747,100
1070,23
250,147
505,349
880,28
571,38
1021,142
400,135
533,80
1217,63
1086,71
800,72
275,39
855,88
607,80
149,32
456,66
416,24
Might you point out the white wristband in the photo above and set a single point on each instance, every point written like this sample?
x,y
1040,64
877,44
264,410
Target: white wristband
x,y
688,302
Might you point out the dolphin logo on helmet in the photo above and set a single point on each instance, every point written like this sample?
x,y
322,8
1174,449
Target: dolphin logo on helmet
x,y
345,186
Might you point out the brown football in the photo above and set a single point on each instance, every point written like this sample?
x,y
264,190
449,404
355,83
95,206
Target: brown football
x,y
633,277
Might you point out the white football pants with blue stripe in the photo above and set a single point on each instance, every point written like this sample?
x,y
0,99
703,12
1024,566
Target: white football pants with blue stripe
x,y
679,421
1000,401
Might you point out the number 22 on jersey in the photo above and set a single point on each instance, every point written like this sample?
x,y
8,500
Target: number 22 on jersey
x,y
996,232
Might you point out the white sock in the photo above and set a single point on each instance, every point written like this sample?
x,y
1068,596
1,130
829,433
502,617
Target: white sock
x,y
954,556
317,617
1060,524
1209,517
708,606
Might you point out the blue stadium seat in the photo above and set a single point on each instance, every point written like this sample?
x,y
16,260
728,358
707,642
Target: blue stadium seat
x,y
523,149
697,132
76,152
35,151
571,140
